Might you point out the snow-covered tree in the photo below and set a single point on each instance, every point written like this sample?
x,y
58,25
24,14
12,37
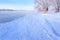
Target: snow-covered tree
x,y
41,5
55,4
44,5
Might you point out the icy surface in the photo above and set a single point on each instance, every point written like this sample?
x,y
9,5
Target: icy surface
x,y
29,26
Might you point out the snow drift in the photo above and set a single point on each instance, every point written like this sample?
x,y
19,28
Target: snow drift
x,y
29,26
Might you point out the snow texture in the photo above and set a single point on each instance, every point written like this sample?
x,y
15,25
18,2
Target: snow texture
x,y
29,26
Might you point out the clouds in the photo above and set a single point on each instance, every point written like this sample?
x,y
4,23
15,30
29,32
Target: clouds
x,y
30,7
16,4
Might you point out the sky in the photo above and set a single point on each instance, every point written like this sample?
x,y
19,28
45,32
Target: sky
x,y
17,4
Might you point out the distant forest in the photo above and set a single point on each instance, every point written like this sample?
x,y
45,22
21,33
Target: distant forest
x,y
7,10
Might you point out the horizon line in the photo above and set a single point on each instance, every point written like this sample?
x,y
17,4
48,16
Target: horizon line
x,y
27,7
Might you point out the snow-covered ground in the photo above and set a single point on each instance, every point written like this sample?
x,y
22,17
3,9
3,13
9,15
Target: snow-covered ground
x,y
29,25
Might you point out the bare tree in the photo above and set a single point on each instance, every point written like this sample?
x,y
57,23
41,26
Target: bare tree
x,y
58,5
55,4
41,5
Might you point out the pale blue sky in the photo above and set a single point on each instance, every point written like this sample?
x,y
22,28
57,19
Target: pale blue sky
x,y
23,4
